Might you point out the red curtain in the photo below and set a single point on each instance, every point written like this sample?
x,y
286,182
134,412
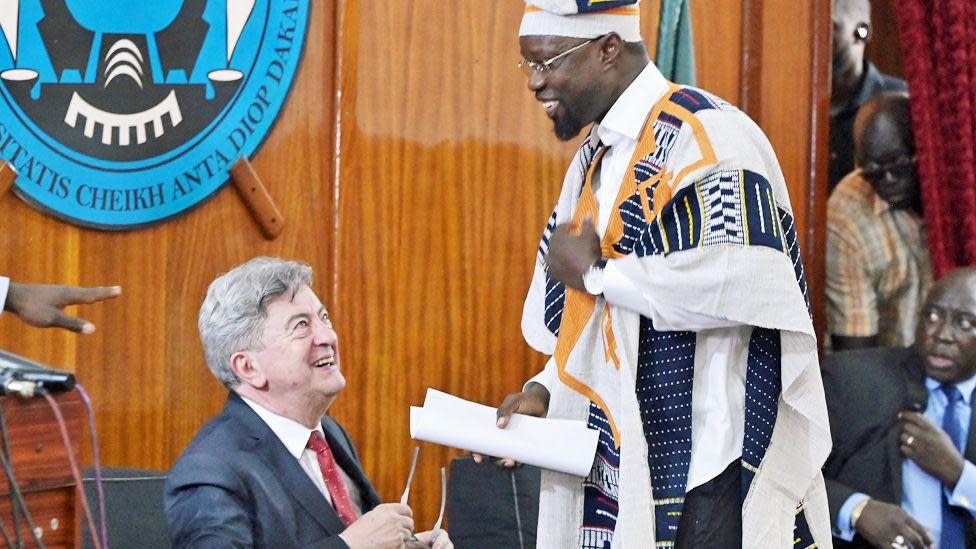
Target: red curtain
x,y
938,42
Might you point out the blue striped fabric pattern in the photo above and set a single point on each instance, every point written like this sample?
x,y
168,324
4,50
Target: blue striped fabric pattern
x,y
555,298
600,488
665,373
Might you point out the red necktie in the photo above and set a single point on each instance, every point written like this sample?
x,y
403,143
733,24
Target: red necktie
x,y
333,479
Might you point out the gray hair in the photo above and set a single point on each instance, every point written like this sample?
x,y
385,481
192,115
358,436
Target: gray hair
x,y
233,314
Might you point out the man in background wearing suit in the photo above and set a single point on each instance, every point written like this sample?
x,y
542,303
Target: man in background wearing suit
x,y
902,472
272,470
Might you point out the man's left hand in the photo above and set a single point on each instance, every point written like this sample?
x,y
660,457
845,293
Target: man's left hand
x,y
931,448
426,539
571,253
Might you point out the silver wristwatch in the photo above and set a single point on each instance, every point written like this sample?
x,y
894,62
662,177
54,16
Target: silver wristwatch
x,y
593,277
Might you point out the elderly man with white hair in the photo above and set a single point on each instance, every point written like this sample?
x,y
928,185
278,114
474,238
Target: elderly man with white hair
x,y
272,470
669,292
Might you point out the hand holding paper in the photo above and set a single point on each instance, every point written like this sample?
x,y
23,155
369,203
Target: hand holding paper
x,y
567,446
533,400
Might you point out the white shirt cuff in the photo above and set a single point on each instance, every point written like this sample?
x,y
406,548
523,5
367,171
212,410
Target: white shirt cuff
x,y
965,493
4,286
547,377
843,529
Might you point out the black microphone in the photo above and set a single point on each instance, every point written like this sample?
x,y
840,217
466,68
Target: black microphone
x,y
24,377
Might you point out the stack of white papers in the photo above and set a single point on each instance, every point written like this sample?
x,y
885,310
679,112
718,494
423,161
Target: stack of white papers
x,y
567,446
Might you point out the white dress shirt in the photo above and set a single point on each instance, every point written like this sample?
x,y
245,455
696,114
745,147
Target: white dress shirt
x,y
722,347
295,437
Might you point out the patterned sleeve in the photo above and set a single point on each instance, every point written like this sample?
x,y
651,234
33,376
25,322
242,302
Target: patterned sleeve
x,y
852,304
725,201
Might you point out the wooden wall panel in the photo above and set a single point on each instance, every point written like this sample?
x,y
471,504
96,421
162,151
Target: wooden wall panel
x,y
785,112
144,367
32,249
813,238
717,32
794,90
447,171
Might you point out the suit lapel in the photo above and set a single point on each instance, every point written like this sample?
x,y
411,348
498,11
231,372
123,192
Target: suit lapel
x,y
970,453
301,489
913,388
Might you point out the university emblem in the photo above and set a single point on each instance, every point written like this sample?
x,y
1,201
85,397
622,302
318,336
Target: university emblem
x,y
122,113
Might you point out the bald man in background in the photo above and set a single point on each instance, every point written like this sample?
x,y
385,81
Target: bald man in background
x,y
878,268
902,471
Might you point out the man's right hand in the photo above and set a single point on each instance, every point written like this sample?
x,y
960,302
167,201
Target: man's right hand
x,y
881,523
533,401
42,305
387,526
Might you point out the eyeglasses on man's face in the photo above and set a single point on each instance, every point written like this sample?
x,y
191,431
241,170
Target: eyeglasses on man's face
x,y
546,65
900,168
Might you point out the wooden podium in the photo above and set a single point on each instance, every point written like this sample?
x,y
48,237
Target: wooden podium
x,y
41,468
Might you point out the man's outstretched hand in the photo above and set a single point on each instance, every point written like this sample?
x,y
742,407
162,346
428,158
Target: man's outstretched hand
x,y
42,305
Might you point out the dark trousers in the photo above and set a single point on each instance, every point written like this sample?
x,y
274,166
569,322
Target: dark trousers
x,y
712,514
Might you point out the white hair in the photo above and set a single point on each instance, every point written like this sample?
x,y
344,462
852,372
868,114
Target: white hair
x,y
232,315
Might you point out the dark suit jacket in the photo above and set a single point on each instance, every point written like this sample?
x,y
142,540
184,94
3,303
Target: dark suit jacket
x,y
865,391
237,486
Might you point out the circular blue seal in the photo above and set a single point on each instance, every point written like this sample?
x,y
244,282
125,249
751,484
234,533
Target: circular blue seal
x,y
118,114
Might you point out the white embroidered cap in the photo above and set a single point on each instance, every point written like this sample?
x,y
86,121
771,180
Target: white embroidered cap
x,y
582,18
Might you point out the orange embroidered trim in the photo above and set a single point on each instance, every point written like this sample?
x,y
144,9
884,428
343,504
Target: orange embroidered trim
x,y
579,306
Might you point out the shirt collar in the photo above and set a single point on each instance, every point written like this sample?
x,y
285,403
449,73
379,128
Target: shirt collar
x,y
871,85
873,82
965,387
625,119
292,434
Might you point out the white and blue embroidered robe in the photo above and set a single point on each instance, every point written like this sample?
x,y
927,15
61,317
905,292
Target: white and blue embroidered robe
x,y
719,243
